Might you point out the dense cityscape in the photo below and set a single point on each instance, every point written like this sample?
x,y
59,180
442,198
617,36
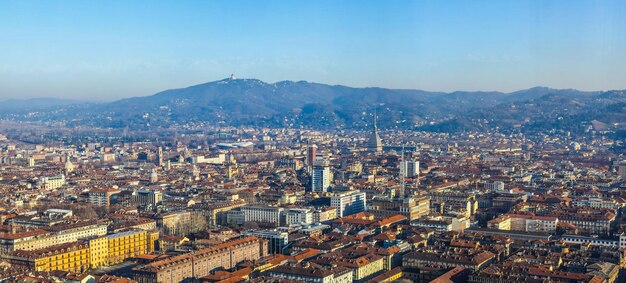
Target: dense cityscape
x,y
294,205
274,141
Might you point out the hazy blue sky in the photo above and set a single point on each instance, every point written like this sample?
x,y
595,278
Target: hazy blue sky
x,y
104,50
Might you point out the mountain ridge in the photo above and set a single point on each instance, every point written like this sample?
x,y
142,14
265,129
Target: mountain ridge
x,y
322,106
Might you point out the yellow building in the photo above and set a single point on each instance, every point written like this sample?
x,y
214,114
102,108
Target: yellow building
x,y
88,253
54,235
231,171
98,251
72,257
153,238
366,266
387,277
127,244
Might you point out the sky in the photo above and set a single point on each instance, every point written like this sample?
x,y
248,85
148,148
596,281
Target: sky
x,y
106,50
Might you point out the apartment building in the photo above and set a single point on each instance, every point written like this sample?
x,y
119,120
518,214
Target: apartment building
x,y
201,262
51,183
473,260
262,214
216,213
307,273
298,216
523,222
126,244
147,198
51,236
324,214
84,254
588,221
72,257
412,208
349,202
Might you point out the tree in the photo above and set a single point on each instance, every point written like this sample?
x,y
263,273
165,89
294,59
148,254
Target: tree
x,y
198,223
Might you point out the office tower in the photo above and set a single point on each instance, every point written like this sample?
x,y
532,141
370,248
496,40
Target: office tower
x,y
320,178
410,168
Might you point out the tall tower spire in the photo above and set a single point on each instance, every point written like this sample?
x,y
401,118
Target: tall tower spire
x,y
375,144
375,121
403,169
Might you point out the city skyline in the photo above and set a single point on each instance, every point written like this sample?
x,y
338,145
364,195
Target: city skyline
x,y
313,141
109,51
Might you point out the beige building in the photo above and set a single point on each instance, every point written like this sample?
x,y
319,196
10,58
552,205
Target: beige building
x,y
216,213
202,262
412,208
526,223
55,235
51,183
324,214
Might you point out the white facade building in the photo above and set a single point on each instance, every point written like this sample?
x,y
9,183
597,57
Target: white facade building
x,y
51,183
320,178
262,213
533,223
298,216
349,203
495,186
410,168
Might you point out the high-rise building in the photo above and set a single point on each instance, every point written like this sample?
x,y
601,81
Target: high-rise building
x,y
375,144
349,203
410,168
320,178
311,153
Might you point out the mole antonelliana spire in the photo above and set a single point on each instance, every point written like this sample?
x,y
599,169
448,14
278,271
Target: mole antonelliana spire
x,y
375,144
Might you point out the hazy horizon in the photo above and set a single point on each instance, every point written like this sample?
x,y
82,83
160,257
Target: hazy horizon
x,y
104,100
101,51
